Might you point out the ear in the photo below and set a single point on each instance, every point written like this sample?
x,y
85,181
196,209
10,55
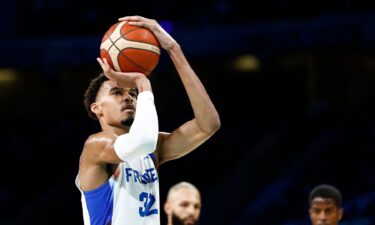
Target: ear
x,y
167,208
168,211
95,108
341,213
310,212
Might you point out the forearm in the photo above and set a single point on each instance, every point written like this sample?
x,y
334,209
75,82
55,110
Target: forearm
x,y
205,112
143,134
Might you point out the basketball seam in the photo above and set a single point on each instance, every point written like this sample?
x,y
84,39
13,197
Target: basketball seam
x,y
123,36
135,28
135,64
114,44
137,49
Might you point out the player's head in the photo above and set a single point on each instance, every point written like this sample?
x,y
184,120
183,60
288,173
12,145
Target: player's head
x,y
183,205
110,104
325,205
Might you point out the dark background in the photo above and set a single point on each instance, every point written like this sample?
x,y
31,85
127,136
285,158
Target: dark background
x,y
293,82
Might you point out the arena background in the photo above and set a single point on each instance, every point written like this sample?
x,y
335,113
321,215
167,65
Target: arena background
x,y
293,82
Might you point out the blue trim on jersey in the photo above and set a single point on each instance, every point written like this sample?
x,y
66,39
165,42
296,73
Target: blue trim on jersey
x,y
152,155
100,204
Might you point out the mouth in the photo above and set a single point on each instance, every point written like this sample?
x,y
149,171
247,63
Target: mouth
x,y
128,107
189,221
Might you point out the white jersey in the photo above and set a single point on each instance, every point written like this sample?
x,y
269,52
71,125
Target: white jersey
x,y
129,197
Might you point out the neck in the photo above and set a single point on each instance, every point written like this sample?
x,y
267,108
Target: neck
x,y
118,130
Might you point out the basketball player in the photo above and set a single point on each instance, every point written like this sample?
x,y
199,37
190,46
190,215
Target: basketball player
x,y
183,204
325,205
117,175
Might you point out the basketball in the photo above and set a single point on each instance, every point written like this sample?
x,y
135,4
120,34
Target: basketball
x,y
129,48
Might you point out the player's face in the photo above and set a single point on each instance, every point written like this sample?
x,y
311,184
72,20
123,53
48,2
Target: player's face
x,y
186,207
116,105
323,211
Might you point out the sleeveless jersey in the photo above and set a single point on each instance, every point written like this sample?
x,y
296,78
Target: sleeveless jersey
x,y
129,197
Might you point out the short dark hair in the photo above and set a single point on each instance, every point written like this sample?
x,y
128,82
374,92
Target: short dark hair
x,y
91,93
326,191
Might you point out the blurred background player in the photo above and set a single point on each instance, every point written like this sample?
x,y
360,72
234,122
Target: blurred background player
x,y
325,202
183,204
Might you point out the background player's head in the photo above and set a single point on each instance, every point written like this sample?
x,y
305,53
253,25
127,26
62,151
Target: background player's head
x,y
325,205
183,205
110,104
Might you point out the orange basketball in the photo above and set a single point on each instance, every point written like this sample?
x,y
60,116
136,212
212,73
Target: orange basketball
x,y
129,48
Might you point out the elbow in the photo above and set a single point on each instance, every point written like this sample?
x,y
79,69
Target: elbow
x,y
145,144
214,125
129,147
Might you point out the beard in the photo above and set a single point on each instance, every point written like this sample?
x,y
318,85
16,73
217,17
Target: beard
x,y
178,221
128,121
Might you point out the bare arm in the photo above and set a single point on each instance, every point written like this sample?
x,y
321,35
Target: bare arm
x,y
206,119
97,153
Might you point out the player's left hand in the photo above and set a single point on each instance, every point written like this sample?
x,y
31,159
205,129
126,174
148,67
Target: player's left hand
x,y
165,40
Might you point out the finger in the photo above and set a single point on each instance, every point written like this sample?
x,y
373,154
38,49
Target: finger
x,y
105,66
99,60
138,23
132,18
101,63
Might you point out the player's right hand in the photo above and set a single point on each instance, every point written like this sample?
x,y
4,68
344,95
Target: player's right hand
x,y
121,79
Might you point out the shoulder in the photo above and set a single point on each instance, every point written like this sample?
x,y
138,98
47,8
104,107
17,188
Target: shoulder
x,y
95,144
99,140
95,147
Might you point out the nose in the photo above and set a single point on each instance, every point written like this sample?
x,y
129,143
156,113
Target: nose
x,y
191,210
322,216
128,98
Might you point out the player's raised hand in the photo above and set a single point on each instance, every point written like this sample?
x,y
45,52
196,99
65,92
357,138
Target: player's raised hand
x,y
120,78
165,40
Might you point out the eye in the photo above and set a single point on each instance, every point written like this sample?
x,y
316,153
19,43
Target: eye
x,y
316,211
133,93
329,211
117,92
